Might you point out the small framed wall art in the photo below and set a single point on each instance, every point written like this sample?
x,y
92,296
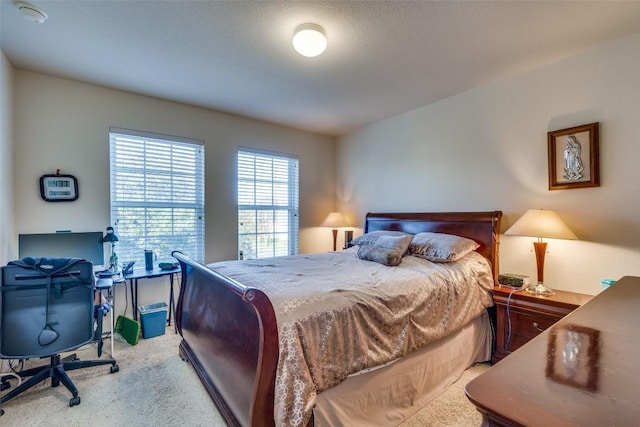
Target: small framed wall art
x,y
58,188
574,155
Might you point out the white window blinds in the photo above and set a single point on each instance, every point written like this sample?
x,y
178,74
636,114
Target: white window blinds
x,y
157,195
267,204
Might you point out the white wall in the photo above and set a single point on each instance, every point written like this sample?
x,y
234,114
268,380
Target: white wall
x,y
7,241
63,124
486,149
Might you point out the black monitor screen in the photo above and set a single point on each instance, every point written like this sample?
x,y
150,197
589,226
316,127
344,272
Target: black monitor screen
x,y
63,245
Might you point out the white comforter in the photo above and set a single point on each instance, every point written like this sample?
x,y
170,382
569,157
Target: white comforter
x,y
338,314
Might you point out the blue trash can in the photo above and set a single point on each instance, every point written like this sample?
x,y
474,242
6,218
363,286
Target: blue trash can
x,y
154,319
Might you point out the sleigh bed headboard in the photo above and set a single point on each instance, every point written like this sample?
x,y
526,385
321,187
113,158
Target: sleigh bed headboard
x,y
482,227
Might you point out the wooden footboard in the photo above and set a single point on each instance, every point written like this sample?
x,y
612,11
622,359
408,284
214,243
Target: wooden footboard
x,y
229,334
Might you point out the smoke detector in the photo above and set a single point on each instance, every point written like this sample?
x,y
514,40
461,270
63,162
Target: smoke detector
x,y
32,13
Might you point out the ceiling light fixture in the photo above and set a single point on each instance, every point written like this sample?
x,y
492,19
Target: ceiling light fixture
x,y
309,40
32,13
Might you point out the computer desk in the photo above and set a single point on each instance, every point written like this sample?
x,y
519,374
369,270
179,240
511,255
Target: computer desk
x,y
141,273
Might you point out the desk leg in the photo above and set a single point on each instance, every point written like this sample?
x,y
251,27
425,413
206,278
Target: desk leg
x,y
112,295
135,305
134,293
111,299
170,298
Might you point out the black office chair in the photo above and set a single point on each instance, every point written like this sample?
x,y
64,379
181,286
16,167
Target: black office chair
x,y
47,308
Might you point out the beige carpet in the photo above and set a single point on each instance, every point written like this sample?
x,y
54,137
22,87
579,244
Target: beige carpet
x,y
154,387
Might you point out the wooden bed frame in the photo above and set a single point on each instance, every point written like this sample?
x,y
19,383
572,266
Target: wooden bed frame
x,y
229,331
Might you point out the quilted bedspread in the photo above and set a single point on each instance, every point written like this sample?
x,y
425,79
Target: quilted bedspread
x,y
338,315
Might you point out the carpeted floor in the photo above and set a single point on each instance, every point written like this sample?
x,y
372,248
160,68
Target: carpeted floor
x,y
154,387
452,408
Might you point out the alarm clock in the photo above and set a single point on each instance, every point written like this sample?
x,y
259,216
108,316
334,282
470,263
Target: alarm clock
x,y
515,281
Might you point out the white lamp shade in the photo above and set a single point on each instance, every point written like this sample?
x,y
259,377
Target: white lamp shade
x,y
309,40
334,220
541,223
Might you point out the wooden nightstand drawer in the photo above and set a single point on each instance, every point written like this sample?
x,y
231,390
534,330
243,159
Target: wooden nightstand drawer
x,y
524,326
521,316
528,325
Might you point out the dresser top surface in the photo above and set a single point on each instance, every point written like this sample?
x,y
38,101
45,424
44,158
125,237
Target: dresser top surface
x,y
582,371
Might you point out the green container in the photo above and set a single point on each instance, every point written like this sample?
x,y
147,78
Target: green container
x,y
129,329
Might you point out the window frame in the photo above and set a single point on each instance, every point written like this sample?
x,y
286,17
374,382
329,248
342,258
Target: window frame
x,y
182,166
292,206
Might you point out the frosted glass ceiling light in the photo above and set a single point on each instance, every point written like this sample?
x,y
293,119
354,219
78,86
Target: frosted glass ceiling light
x,y
309,40
32,13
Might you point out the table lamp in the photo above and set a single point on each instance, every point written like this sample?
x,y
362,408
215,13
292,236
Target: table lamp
x,y
541,223
334,220
112,237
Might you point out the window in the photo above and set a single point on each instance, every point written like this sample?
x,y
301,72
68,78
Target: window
x,y
157,195
267,204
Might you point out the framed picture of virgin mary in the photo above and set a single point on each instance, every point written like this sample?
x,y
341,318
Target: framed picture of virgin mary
x,y
574,157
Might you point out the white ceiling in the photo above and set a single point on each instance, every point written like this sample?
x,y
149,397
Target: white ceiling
x,y
383,58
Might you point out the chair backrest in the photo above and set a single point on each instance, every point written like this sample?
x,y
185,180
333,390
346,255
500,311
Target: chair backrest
x,y
43,311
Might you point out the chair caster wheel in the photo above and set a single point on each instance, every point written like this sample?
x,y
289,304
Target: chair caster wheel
x,y
114,368
74,401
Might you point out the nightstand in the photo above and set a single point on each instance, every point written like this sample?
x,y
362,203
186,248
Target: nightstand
x,y
521,316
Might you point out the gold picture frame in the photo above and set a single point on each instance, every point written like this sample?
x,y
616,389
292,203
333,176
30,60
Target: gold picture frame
x,y
574,157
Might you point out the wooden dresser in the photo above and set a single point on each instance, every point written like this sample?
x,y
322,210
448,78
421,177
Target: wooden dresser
x,y
582,371
521,316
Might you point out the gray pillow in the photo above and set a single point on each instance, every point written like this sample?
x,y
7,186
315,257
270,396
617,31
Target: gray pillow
x,y
397,243
371,237
384,256
440,247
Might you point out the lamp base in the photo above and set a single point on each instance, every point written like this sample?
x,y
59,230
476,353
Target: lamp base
x,y
540,289
348,237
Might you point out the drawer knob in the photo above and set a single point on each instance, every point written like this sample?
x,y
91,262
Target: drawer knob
x,y
535,325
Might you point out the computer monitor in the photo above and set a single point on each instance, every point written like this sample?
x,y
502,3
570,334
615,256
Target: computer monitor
x,y
87,245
